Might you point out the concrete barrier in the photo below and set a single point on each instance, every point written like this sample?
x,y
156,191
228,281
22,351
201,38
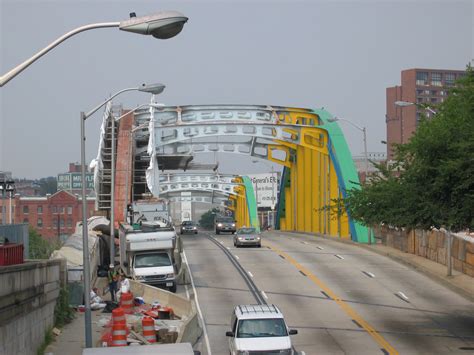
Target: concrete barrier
x,y
28,294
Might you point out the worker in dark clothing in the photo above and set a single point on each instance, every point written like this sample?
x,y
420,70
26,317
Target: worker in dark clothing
x,y
113,279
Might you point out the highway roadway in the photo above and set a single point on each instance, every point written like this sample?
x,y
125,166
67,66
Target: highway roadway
x,y
342,299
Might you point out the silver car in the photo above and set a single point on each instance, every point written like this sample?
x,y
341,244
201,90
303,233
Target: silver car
x,y
247,236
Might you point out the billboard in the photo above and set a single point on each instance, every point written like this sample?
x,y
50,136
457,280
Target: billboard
x,y
73,181
266,187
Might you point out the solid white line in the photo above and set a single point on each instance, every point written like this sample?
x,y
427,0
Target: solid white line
x,y
250,273
203,324
236,257
264,294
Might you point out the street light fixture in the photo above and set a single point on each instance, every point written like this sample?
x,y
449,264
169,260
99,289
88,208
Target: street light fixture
x,y
162,25
364,131
153,89
407,103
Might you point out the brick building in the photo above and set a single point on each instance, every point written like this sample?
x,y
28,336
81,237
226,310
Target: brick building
x,y
53,215
421,86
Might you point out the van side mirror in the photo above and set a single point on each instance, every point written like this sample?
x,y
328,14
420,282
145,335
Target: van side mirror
x,y
229,334
293,331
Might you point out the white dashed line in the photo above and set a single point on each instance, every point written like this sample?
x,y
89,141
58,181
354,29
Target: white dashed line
x,y
369,274
250,273
228,248
264,294
401,295
338,256
220,241
236,257
319,248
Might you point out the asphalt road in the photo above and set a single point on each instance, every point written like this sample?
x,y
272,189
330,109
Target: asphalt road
x,y
342,299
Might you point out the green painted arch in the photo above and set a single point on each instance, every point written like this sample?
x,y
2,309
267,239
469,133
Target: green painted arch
x,y
251,202
346,172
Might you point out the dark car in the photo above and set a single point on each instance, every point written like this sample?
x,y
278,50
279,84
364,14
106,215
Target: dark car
x,y
188,227
224,224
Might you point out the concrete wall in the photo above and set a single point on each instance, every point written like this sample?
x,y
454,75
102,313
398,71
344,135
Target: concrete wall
x,y
28,294
430,245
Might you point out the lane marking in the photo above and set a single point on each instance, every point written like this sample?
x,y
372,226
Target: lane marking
x,y
220,241
250,273
203,324
356,323
236,257
264,294
302,273
338,256
281,256
187,291
320,248
325,294
344,306
369,274
402,296
228,248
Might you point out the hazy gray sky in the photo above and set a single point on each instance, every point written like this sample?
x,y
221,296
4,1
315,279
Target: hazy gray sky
x,y
340,55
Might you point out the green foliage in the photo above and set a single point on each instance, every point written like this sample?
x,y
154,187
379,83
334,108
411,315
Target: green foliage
x,y
431,182
40,248
207,219
48,185
63,313
48,339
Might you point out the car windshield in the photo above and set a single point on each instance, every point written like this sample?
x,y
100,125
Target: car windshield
x,y
152,260
260,328
247,231
188,223
225,220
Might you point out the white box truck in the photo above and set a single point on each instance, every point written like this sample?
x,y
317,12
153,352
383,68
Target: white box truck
x,y
147,253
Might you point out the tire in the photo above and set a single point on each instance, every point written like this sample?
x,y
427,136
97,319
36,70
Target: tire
x,y
195,232
173,288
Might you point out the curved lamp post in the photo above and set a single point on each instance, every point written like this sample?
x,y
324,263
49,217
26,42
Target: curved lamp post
x,y
162,25
152,89
407,103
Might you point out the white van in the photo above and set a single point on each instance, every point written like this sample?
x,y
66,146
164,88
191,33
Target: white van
x,y
258,329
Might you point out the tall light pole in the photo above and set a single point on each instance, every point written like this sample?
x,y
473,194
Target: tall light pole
x,y
162,25
364,131
154,88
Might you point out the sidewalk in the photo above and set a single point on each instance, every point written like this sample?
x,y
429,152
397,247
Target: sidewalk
x,y
458,282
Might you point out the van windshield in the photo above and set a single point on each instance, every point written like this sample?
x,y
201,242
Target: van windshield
x,y
152,260
225,220
260,328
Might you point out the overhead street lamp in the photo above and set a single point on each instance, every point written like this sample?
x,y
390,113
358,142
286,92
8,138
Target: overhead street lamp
x,y
152,89
162,25
364,131
407,103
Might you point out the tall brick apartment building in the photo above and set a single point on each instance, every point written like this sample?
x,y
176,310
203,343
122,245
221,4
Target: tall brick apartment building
x,y
53,215
422,86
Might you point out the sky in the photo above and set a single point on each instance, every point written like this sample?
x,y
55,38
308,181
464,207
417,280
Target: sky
x,y
340,55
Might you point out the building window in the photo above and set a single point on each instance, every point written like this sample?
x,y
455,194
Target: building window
x,y
39,223
69,209
25,220
436,79
449,79
25,209
62,209
419,92
61,223
55,223
39,209
421,78
434,100
55,209
419,99
69,223
434,92
427,92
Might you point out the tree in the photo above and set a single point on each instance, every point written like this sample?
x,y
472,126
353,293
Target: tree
x,y
207,219
48,185
431,183
40,248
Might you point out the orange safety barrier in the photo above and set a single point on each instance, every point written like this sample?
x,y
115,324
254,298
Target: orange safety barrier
x,y
118,316
126,302
149,332
11,254
119,334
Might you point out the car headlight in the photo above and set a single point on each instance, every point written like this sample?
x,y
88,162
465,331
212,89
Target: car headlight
x,y
258,238
233,224
240,238
219,224
194,228
169,276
